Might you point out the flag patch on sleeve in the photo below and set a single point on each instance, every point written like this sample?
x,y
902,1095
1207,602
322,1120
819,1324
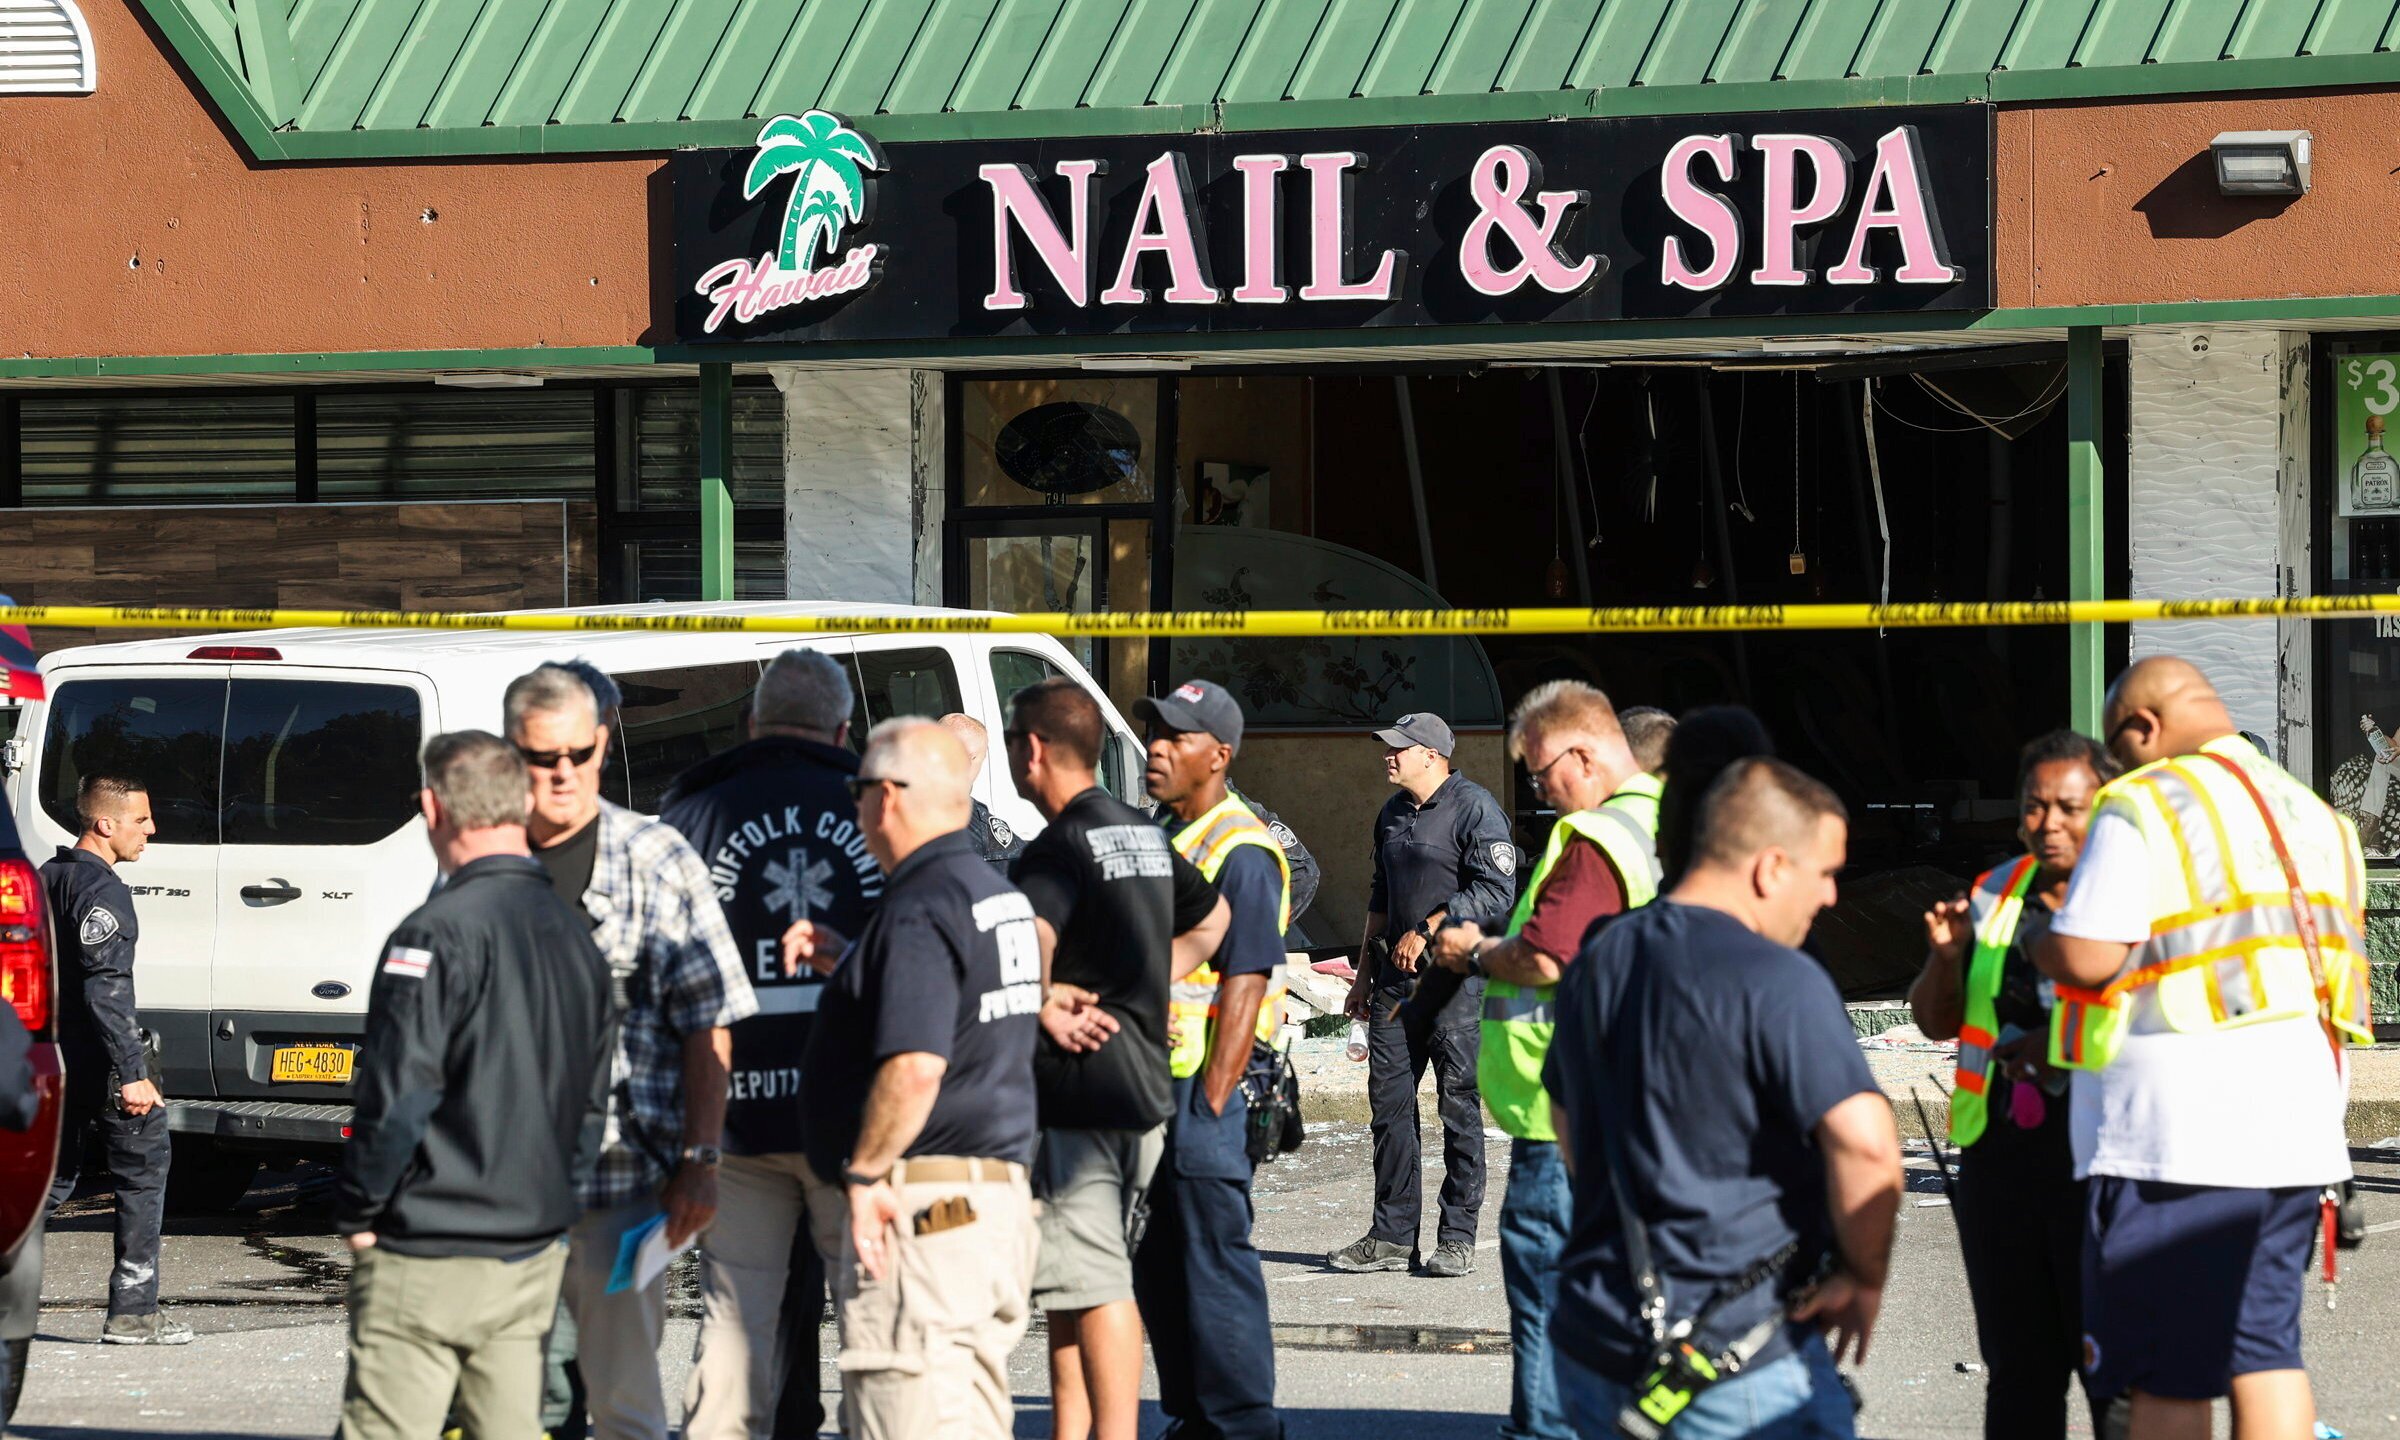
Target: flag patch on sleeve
x,y
407,961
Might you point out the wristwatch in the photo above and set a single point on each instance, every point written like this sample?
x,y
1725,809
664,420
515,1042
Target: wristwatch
x,y
860,1177
704,1155
1475,959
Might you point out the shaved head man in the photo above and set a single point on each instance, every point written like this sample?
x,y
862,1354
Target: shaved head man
x,y
2160,707
993,838
2208,1113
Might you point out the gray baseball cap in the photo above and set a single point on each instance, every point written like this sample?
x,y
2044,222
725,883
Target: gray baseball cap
x,y
1195,705
1423,728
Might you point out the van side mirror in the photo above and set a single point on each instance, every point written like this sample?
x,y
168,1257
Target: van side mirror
x,y
1123,764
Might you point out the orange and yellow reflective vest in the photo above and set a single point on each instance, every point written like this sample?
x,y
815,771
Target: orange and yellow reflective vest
x,y
1192,1005
2227,947
1996,905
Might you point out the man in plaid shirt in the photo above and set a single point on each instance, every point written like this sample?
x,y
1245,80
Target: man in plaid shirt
x,y
679,984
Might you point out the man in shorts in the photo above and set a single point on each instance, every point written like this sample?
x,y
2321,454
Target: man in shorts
x,y
1120,916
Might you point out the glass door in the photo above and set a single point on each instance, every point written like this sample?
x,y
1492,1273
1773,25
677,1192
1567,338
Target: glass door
x,y
1046,566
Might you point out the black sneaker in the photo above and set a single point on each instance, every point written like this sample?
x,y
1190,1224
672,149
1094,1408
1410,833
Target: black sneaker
x,y
1368,1253
1451,1261
155,1328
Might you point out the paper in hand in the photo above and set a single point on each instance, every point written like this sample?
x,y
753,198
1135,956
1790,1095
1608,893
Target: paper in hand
x,y
643,1255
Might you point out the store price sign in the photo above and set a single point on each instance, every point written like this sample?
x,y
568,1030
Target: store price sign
x,y
2366,399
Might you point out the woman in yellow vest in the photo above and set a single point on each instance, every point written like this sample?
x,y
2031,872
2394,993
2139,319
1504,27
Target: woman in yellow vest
x,y
2020,1208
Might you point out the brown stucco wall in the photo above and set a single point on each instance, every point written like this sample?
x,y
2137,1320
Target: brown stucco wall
x,y
2116,202
136,226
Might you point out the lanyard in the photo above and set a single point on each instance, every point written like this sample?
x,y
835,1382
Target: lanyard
x,y
2303,915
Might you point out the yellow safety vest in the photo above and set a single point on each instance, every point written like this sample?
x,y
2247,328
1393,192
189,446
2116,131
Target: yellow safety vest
x,y
2227,947
1997,904
1208,842
1518,1020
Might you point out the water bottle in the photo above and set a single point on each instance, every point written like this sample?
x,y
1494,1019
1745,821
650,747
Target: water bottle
x,y
1357,1048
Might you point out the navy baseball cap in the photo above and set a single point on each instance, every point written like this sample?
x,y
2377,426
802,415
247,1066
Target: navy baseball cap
x,y
1423,728
1202,705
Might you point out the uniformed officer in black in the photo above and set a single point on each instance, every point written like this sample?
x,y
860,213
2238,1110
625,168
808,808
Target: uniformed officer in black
x,y
1442,850
993,838
112,1098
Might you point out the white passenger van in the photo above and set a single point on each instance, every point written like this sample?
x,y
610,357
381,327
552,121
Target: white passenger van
x,y
282,768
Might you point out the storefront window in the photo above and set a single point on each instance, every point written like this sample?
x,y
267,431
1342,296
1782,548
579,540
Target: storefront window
x,y
2359,508
87,449
455,445
1071,441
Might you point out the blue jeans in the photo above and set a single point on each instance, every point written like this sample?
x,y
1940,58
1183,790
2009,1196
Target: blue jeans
x,y
1799,1397
1534,1217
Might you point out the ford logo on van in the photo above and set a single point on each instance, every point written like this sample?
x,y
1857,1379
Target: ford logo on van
x,y
330,990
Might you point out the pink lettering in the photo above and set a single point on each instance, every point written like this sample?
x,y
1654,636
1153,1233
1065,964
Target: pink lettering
x,y
1261,212
1895,200
1829,166
1069,260
1704,210
1498,185
746,289
1329,188
1163,224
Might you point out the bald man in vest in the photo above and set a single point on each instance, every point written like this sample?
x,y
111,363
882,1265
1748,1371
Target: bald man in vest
x,y
2210,963
1601,861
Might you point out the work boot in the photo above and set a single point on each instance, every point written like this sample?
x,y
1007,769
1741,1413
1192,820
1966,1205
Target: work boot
x,y
1368,1253
155,1328
1452,1260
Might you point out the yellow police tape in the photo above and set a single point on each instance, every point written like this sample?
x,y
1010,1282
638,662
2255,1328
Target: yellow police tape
x,y
1623,619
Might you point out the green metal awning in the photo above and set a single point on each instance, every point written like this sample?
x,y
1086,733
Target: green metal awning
x,y
331,79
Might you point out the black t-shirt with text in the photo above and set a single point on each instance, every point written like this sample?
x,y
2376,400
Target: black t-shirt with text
x,y
774,823
1106,879
950,966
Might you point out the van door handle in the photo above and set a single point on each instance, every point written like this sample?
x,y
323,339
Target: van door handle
x,y
274,894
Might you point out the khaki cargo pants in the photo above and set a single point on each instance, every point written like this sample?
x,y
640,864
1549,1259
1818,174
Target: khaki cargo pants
x,y
421,1326
925,1349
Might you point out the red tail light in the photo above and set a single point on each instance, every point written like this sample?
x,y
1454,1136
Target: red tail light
x,y
235,652
24,954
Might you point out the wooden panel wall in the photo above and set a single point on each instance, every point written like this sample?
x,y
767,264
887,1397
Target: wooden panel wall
x,y
480,555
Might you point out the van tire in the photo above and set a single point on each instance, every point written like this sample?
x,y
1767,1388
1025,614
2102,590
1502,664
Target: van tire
x,y
205,1179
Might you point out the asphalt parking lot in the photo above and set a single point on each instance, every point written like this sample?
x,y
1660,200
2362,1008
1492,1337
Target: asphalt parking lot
x,y
1359,1356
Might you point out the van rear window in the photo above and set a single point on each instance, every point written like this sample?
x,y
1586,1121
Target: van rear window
x,y
314,762
246,762
168,734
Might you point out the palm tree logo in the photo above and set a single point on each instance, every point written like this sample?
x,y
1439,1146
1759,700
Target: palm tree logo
x,y
829,162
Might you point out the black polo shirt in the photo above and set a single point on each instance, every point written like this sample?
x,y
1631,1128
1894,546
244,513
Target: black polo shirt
x,y
1452,853
950,966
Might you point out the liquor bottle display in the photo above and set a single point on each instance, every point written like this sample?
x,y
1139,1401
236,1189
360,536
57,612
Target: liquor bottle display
x,y
2375,479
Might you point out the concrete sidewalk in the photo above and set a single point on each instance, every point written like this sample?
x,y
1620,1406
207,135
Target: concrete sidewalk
x,y
1334,1088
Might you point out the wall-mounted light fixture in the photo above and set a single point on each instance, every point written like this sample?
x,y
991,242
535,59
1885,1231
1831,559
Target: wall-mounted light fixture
x,y
2261,162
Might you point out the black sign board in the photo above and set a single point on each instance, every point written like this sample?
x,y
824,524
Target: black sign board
x,y
819,234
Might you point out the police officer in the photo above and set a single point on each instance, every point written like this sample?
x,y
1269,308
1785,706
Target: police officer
x,y
773,821
112,1098
2018,1204
2210,962
1441,848
991,836
1197,1275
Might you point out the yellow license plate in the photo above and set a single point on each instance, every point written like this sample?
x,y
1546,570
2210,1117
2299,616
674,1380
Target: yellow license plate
x,y
313,1064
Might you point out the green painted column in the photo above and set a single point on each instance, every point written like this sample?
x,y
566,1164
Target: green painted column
x,y
2087,554
716,480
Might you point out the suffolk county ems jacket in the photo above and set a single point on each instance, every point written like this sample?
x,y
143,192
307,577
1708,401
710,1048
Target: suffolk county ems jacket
x,y
92,915
774,823
483,1077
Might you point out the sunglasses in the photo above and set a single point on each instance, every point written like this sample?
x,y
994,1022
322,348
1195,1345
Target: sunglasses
x,y
861,784
548,759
